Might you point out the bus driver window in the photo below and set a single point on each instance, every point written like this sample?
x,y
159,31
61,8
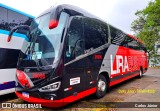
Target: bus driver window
x,y
75,42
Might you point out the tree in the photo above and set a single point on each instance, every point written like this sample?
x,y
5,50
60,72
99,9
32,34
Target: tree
x,y
147,26
138,24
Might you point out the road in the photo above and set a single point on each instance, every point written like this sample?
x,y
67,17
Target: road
x,y
146,89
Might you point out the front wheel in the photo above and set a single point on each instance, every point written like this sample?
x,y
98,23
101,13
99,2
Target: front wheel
x,y
102,87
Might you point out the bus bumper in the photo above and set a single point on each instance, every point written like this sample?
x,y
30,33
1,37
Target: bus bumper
x,y
57,103
43,102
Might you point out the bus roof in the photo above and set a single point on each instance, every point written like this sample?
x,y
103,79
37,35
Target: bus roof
x,y
84,13
15,10
71,7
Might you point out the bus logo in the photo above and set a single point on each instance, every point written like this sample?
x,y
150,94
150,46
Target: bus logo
x,y
120,63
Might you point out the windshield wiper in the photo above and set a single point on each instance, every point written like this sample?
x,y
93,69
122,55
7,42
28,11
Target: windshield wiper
x,y
32,43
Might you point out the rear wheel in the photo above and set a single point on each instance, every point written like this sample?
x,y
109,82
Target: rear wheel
x,y
140,73
102,87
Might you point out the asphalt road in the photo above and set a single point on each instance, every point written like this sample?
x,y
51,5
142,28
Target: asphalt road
x,y
146,89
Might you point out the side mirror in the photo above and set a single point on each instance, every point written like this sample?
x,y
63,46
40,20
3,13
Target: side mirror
x,y
10,34
17,28
53,23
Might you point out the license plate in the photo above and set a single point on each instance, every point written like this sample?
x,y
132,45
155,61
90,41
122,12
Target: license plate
x,y
25,94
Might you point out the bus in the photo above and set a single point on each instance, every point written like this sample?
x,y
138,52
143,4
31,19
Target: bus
x,y
10,49
73,54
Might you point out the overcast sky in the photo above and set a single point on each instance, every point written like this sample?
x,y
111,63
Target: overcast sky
x,y
119,13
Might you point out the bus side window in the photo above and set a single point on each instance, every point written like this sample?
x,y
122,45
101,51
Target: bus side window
x,y
75,39
95,34
15,19
142,47
3,19
132,44
126,41
104,32
10,19
117,36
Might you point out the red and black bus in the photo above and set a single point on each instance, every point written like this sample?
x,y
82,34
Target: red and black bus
x,y
73,54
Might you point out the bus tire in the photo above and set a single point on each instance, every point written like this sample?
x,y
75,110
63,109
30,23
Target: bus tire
x,y
101,87
140,73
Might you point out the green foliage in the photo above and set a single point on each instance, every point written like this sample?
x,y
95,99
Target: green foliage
x,y
147,26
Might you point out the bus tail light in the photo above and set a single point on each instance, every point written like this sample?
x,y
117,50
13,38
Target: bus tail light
x,y
51,87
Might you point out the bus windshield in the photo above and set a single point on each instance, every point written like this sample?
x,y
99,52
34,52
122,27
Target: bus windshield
x,y
45,42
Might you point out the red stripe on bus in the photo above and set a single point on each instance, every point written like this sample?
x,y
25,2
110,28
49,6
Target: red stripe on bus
x,y
122,79
57,103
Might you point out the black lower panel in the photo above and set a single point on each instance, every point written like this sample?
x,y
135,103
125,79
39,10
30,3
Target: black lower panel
x,y
8,58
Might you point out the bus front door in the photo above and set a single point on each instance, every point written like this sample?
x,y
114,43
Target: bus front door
x,y
74,77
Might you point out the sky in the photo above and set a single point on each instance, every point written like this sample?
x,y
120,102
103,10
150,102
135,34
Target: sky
x,y
119,13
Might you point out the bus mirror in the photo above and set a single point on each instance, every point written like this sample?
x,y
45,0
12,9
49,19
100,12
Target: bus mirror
x,y
54,18
9,39
53,24
10,34
26,27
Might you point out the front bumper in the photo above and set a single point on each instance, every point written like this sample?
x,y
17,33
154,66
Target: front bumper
x,y
43,102
57,103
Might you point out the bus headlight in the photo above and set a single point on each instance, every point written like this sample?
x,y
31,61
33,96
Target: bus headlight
x,y
51,87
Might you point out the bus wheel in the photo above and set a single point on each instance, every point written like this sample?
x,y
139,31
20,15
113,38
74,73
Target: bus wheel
x,y
101,87
140,73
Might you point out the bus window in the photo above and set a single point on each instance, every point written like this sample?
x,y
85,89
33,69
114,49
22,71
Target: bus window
x,y
117,36
16,19
75,38
142,47
10,19
131,43
3,19
96,34
104,32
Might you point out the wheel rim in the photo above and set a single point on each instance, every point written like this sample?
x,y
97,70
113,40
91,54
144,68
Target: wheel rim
x,y
140,73
101,86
